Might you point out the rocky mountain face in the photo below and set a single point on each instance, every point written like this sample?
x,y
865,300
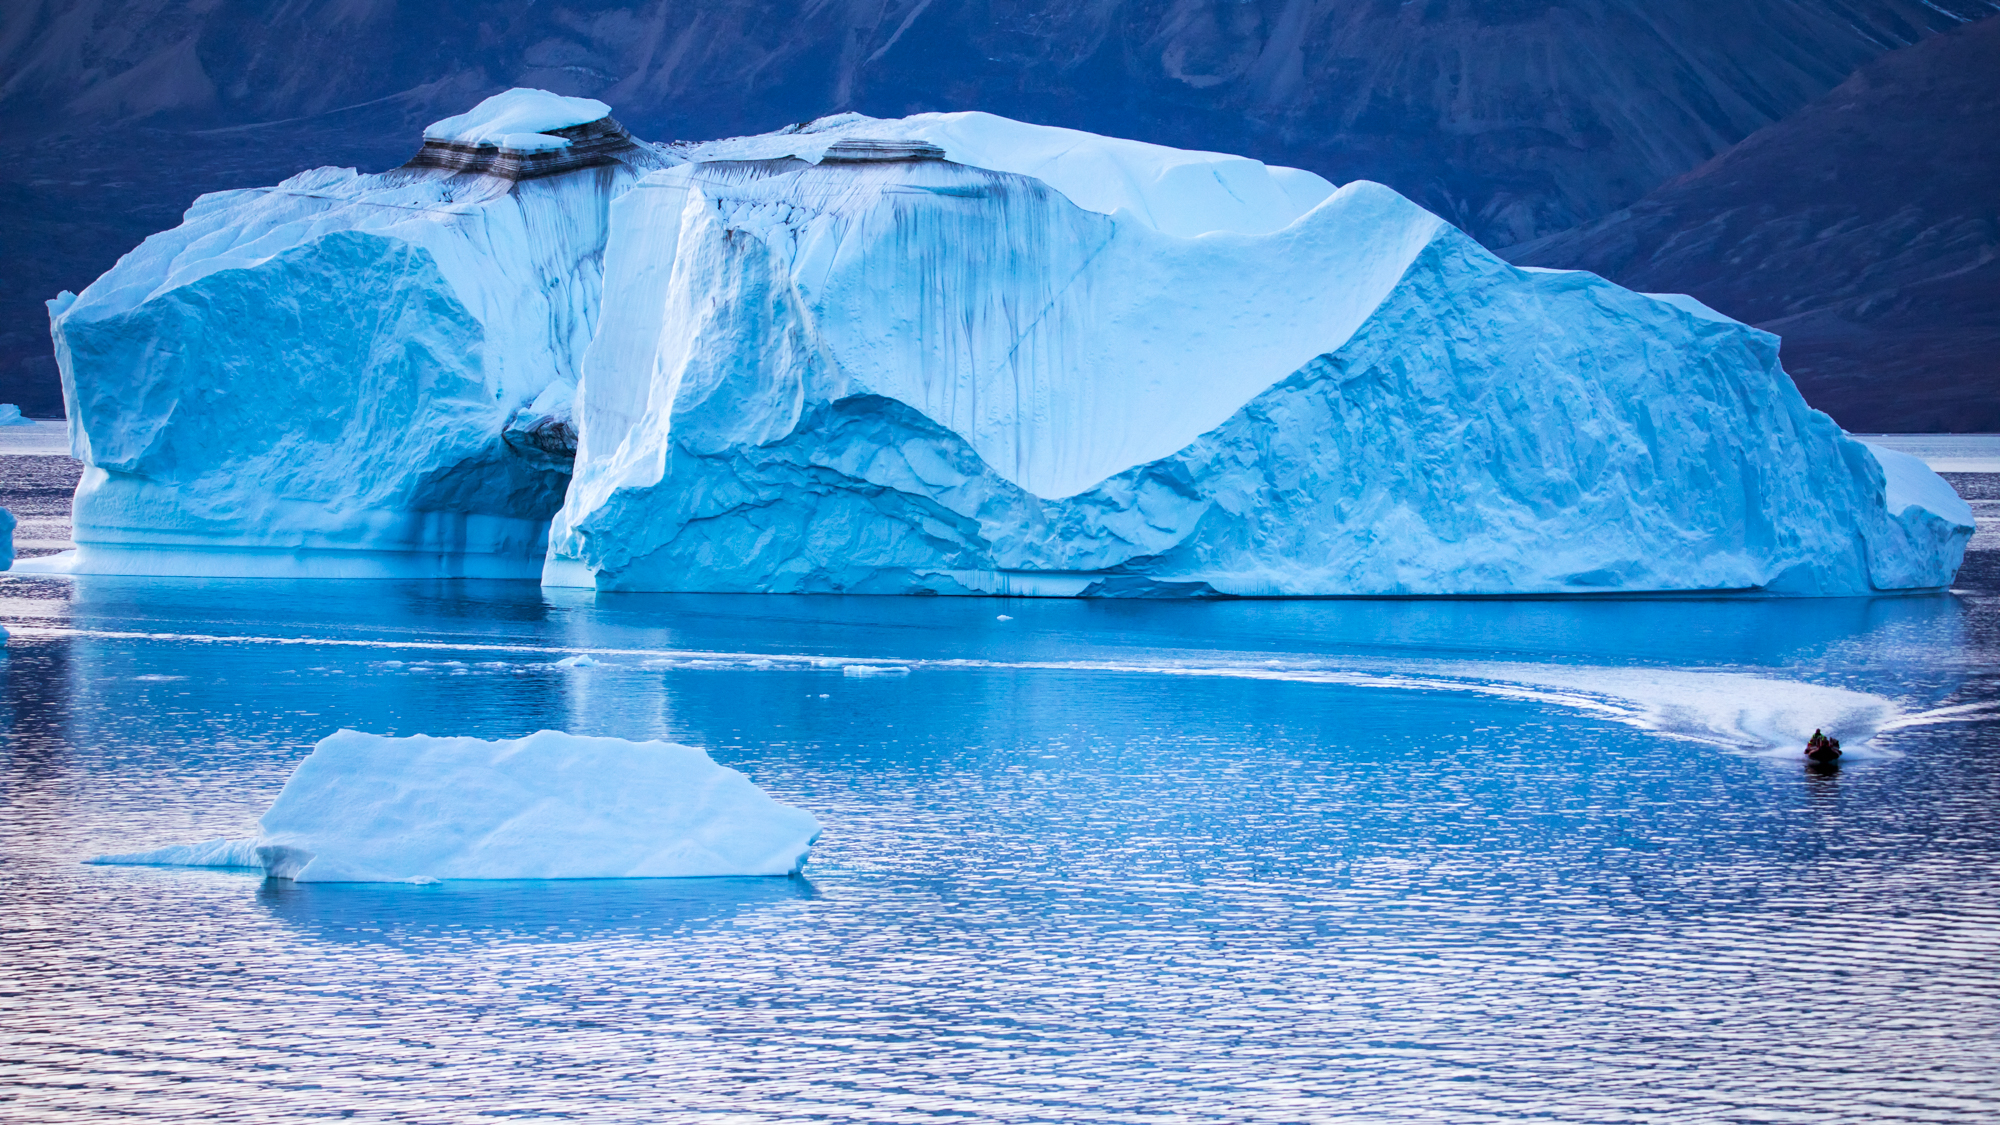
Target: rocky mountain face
x,y
1514,120
1863,229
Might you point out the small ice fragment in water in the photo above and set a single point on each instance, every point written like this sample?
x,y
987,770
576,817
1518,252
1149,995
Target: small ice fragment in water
x,y
1004,617
580,660
365,808
874,670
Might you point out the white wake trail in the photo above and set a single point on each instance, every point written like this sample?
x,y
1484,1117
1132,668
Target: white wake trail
x,y
1740,712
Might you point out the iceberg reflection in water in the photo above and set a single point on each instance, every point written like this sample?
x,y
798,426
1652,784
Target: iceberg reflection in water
x,y
1232,861
556,910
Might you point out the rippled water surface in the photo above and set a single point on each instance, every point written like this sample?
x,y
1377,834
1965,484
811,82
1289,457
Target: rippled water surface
x,y
1105,862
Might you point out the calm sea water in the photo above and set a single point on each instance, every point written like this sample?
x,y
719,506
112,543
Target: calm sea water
x,y
1104,862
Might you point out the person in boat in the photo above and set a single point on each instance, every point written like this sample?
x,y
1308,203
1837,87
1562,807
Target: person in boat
x,y
1821,748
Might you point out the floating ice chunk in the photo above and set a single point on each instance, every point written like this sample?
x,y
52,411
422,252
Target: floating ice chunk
x,y
1004,617
10,415
367,808
951,354
519,119
874,670
580,660
6,539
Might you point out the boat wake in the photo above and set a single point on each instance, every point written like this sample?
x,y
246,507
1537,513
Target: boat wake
x,y
1748,713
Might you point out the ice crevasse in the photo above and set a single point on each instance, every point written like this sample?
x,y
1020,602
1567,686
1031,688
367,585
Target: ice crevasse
x,y
945,354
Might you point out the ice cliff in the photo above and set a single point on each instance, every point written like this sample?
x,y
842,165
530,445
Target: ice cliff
x,y
351,374
366,808
950,354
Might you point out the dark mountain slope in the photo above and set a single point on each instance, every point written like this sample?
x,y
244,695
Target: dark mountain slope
x,y
1514,118
1511,118
1864,229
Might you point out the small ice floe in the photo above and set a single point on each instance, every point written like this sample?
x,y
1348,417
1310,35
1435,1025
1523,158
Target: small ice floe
x,y
365,808
874,670
580,660
1004,617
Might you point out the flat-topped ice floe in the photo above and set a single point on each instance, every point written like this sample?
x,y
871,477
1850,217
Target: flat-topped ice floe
x,y
950,353
366,808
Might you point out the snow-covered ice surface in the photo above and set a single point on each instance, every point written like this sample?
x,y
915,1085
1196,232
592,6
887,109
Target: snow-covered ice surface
x,y
518,119
1172,190
341,375
951,353
368,809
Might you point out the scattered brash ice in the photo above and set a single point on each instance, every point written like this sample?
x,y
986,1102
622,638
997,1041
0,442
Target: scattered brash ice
x,y
368,808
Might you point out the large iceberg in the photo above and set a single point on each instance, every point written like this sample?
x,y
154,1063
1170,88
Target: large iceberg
x,y
957,354
367,809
